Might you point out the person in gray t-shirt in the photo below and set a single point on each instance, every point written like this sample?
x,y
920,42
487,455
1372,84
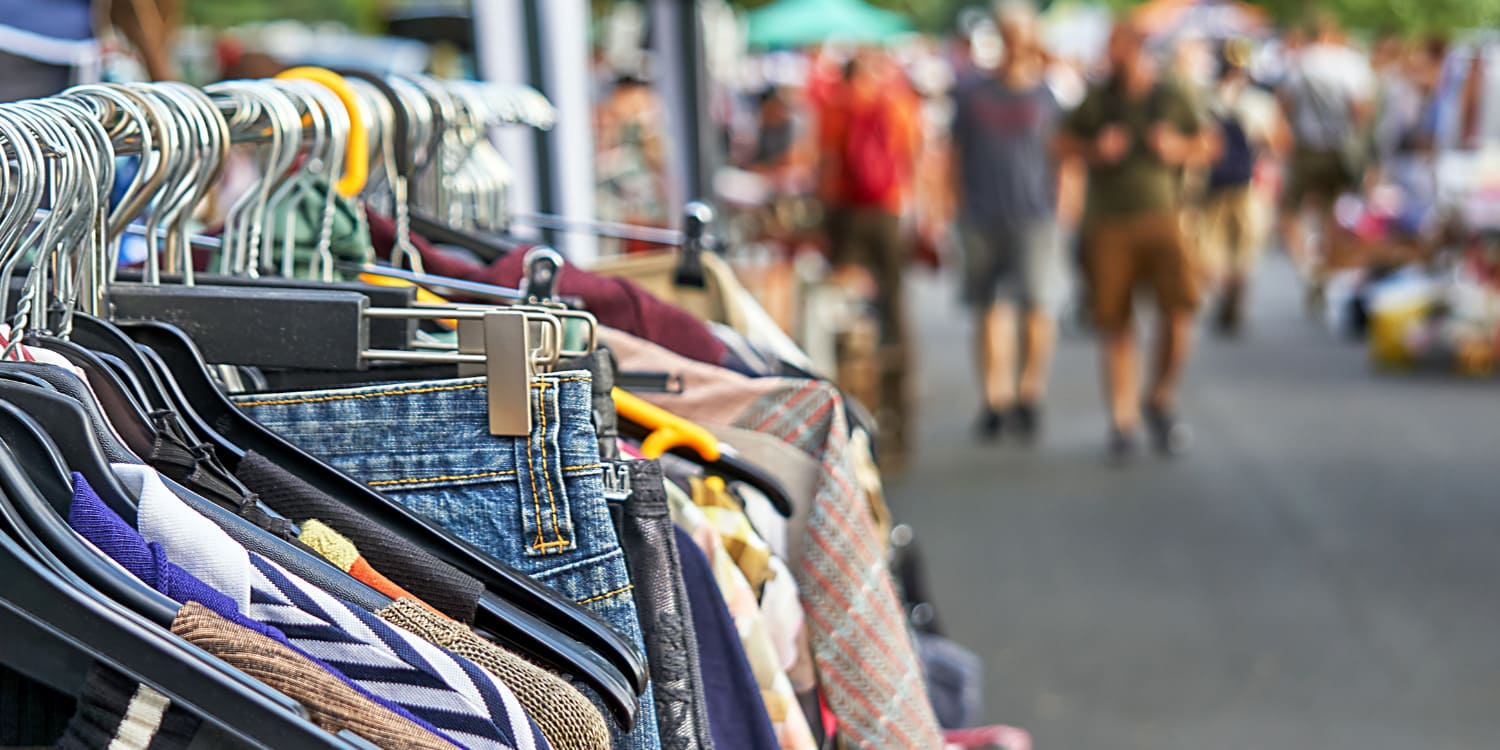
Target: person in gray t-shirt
x,y
1003,128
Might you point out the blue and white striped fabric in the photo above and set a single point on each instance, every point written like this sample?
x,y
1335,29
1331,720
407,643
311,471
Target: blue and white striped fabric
x,y
448,691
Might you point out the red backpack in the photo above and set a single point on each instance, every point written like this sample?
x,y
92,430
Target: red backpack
x,y
869,155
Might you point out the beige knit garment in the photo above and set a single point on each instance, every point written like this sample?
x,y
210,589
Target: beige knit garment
x,y
567,719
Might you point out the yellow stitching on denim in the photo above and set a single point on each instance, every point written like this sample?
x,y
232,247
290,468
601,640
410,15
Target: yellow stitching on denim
x,y
353,396
550,545
547,474
446,478
582,467
616,592
536,503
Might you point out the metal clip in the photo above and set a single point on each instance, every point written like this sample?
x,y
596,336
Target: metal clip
x,y
617,480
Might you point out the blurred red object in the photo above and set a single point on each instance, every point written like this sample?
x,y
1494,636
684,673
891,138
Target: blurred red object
x,y
982,738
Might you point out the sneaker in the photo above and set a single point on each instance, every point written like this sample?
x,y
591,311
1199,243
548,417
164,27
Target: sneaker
x,y
1171,436
1123,445
991,424
1028,419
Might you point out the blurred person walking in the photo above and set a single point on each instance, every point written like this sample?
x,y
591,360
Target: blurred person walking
x,y
1327,96
1012,249
868,135
1136,133
1250,129
630,161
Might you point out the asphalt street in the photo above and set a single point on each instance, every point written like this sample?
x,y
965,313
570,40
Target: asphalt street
x,y
1320,573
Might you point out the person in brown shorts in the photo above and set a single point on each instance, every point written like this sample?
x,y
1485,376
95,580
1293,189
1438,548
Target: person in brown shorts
x,y
1135,134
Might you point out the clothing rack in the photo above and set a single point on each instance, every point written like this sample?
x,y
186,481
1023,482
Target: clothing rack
x,y
494,573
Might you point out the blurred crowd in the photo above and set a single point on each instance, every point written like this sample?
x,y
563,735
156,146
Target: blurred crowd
x,y
1055,183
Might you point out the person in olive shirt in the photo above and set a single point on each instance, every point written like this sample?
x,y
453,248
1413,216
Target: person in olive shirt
x,y
1135,133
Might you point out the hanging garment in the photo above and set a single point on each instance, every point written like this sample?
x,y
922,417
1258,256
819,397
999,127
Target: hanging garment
x,y
736,713
96,522
349,238
671,642
337,549
722,299
119,713
32,713
331,704
392,662
771,583
767,673
450,694
535,503
434,581
874,682
565,716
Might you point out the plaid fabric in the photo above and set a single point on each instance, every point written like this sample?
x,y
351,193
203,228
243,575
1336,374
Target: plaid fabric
x,y
866,661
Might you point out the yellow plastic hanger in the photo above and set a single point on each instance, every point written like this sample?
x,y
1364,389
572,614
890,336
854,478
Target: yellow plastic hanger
x,y
668,430
357,148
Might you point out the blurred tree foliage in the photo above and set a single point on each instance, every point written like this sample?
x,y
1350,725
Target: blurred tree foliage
x,y
1401,16
364,15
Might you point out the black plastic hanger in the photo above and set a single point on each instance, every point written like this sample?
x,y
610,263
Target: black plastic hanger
x,y
129,419
58,381
127,376
162,391
697,217
310,567
42,515
518,591
42,614
67,427
737,469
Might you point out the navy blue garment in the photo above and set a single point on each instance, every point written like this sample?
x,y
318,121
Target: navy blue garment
x,y
737,716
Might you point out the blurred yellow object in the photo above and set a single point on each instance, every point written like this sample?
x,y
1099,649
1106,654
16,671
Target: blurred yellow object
x,y
1389,330
1475,357
423,295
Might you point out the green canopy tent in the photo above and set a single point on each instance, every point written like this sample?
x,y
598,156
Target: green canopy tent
x,y
796,23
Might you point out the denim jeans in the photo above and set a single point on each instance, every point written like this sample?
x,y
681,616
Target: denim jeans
x,y
536,504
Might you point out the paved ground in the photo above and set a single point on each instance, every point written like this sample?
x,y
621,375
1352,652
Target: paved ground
x,y
1323,573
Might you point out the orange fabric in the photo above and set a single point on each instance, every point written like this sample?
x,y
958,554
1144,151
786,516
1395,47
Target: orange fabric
x,y
373,578
893,99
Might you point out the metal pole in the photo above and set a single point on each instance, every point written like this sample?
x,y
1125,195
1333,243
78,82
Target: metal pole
x,y
502,29
566,78
682,81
